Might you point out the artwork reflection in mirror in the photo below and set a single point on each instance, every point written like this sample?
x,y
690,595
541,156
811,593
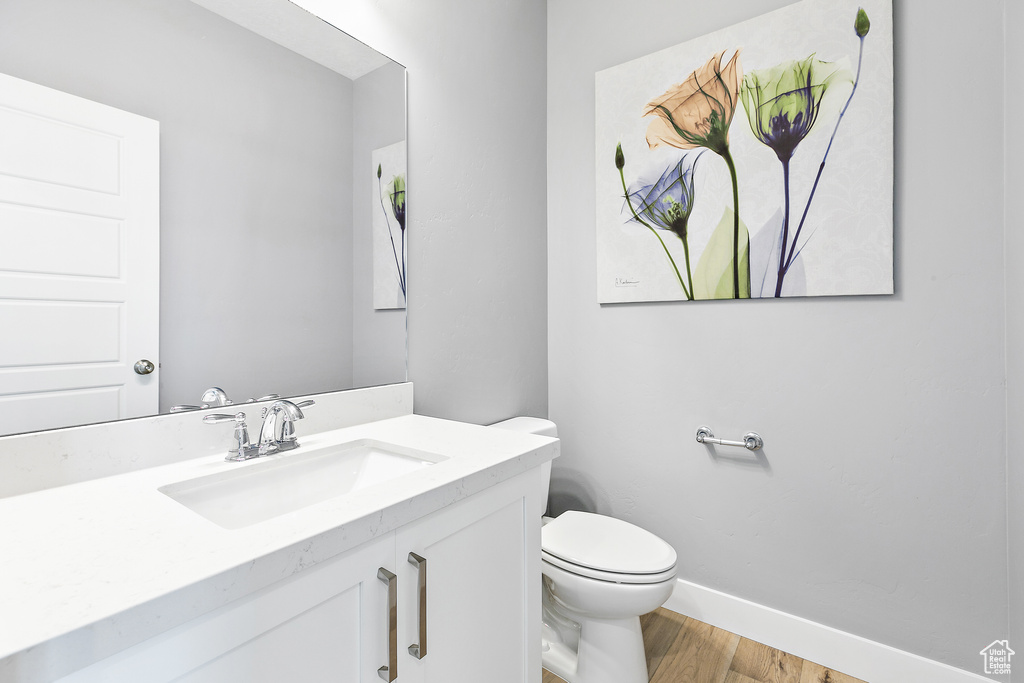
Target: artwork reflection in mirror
x,y
389,227
259,214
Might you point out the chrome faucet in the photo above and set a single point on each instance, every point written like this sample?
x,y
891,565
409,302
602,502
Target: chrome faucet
x,y
278,432
215,396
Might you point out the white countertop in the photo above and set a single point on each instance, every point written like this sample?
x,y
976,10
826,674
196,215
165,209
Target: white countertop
x,y
91,568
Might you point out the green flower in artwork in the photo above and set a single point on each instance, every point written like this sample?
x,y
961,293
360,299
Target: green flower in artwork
x,y
783,102
782,105
397,196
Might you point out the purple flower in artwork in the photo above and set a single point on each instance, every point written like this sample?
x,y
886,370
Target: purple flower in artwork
x,y
667,203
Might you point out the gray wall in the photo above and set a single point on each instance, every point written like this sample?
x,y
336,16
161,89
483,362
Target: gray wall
x,y
1014,23
256,167
378,337
477,323
878,506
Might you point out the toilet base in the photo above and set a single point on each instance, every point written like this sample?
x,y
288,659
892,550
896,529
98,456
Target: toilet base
x,y
610,651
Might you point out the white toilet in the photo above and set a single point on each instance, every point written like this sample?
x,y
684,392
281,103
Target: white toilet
x,y
600,574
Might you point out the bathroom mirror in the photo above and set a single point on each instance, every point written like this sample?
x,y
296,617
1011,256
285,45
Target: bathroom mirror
x,y
272,126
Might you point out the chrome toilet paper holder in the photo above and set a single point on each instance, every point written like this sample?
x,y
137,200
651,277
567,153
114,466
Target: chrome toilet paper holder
x,y
752,441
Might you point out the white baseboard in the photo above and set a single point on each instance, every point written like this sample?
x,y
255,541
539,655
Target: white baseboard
x,y
843,652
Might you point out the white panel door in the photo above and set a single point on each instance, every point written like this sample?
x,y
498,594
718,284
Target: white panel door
x,y
79,259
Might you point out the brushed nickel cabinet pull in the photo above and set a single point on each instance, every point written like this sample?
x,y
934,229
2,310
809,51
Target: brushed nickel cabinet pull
x,y
389,672
419,649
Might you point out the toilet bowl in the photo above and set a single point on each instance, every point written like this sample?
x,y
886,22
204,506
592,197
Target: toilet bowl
x,y
599,575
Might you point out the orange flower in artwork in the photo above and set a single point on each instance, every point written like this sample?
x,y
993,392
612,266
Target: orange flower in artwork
x,y
698,111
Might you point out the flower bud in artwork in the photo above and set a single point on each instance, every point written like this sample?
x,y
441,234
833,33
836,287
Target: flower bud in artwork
x,y
862,25
620,158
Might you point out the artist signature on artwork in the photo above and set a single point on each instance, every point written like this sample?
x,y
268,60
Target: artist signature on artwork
x,y
626,282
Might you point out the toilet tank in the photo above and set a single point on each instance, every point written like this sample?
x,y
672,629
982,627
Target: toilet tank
x,y
534,425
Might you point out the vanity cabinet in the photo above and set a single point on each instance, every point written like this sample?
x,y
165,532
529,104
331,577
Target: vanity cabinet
x,y
330,622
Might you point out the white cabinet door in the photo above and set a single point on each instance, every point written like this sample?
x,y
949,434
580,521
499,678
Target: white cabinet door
x,y
482,589
80,262
326,623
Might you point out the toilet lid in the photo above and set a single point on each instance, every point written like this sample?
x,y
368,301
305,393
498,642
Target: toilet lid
x,y
606,544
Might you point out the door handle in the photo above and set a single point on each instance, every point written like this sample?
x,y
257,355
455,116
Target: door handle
x,y
389,672
419,649
144,367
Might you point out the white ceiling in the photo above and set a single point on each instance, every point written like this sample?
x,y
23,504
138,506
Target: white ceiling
x,y
292,27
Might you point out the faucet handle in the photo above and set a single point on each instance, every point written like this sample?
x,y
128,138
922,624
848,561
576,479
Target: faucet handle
x,y
268,397
240,448
306,404
237,418
183,408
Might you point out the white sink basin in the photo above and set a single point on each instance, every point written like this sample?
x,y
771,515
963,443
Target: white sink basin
x,y
261,490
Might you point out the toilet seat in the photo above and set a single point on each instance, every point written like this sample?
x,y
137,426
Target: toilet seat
x,y
607,549
611,577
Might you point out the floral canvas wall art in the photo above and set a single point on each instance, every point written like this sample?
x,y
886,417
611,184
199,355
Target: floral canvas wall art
x,y
753,162
388,207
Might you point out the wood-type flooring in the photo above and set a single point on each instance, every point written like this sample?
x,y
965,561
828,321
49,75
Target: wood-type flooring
x,y
684,650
